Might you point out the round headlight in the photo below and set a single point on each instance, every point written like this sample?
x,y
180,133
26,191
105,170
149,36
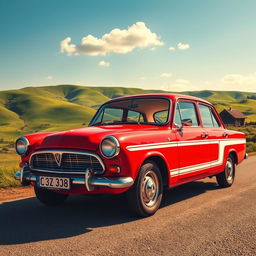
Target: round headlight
x,y
110,147
22,145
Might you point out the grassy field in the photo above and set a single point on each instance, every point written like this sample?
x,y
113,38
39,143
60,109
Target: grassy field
x,y
9,164
250,132
62,107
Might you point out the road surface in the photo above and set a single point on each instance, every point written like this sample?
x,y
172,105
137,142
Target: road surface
x,y
195,219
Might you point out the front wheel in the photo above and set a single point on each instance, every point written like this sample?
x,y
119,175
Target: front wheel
x,y
226,178
146,194
49,197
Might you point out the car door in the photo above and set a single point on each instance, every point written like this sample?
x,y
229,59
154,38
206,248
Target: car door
x,y
194,155
214,131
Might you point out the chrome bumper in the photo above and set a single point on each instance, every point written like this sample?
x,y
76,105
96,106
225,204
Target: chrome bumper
x,y
89,181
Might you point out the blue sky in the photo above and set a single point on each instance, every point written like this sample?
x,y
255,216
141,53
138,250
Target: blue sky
x,y
214,43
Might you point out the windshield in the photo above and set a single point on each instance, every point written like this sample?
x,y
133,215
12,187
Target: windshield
x,y
133,111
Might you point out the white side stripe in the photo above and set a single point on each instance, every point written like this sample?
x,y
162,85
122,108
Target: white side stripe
x,y
199,167
152,146
180,143
222,143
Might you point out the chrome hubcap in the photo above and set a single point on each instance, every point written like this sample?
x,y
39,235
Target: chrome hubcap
x,y
229,171
149,189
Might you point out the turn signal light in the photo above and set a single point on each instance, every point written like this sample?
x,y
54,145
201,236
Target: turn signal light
x,y
22,164
114,169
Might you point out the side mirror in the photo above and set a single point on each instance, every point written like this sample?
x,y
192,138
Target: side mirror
x,y
186,122
178,126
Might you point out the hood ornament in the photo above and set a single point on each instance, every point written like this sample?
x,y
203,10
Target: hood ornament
x,y
58,157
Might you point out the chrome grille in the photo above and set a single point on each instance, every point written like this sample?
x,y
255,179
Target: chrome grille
x,y
71,162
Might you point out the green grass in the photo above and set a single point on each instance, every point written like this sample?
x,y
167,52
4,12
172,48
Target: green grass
x,y
250,132
9,164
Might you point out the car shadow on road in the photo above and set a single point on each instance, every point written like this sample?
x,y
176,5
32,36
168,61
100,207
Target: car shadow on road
x,y
187,191
27,220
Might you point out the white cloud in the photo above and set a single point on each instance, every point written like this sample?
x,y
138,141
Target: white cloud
x,y
182,81
49,77
152,49
234,79
239,82
179,85
142,78
182,46
120,41
104,63
171,48
166,74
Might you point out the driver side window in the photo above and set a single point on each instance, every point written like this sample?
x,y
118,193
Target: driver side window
x,y
186,111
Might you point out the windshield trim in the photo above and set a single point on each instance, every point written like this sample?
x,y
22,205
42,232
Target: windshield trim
x,y
130,98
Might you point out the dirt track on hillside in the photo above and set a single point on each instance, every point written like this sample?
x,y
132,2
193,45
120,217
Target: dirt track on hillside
x,y
195,219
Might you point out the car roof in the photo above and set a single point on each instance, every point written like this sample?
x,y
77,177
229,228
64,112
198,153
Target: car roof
x,y
171,96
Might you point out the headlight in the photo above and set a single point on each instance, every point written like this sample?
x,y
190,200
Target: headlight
x,y
22,145
110,147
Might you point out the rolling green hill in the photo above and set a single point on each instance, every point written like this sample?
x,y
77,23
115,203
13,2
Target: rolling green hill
x,y
55,108
52,108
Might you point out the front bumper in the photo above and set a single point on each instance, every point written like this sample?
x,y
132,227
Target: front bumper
x,y
89,181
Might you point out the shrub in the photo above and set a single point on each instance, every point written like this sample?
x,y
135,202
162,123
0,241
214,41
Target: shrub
x,y
5,150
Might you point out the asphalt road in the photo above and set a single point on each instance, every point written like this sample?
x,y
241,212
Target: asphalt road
x,y
195,219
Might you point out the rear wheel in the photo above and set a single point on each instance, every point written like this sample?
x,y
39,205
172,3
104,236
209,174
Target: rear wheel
x,y
146,194
226,178
49,197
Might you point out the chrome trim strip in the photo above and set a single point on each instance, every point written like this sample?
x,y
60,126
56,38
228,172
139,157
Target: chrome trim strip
x,y
65,151
21,174
87,179
17,175
54,171
121,182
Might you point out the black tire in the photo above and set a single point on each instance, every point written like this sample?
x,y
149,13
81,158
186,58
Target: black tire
x,y
145,196
226,178
49,197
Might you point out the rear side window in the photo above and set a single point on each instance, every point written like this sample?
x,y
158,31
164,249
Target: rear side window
x,y
111,115
187,111
208,117
214,119
134,116
161,117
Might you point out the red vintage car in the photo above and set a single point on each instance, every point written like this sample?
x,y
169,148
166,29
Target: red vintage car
x,y
139,145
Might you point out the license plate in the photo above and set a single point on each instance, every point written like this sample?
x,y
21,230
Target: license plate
x,y
54,182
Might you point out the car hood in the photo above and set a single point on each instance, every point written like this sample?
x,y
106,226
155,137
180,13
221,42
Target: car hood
x,y
88,138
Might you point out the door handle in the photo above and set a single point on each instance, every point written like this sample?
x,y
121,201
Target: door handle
x,y
204,135
225,134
